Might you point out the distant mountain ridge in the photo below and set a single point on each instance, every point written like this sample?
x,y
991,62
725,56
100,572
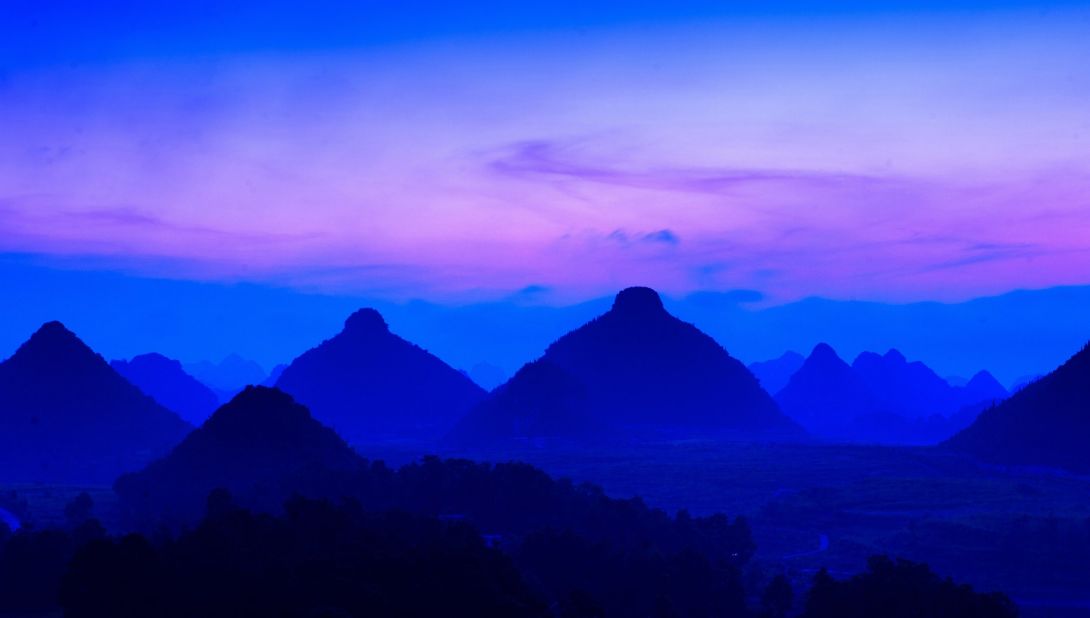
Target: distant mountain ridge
x,y
166,382
1046,423
882,398
369,384
775,373
227,377
67,416
641,373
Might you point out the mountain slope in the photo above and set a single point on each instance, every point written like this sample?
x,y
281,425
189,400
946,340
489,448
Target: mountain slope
x,y
774,374
370,384
66,415
646,375
164,380
262,446
541,402
1047,423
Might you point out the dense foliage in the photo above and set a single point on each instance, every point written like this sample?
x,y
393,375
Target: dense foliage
x,y
316,560
901,589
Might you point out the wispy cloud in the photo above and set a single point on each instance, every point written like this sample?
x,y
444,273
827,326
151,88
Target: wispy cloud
x,y
559,159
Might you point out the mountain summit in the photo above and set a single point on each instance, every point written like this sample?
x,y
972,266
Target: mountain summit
x,y
638,302
262,446
66,415
369,384
639,372
827,396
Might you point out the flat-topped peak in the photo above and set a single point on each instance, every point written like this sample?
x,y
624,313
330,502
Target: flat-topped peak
x,y
364,321
638,301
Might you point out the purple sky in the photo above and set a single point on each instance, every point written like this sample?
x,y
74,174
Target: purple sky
x,y
886,155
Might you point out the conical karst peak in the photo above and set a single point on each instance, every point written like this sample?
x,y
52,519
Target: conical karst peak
x,y
638,301
53,330
824,351
895,355
54,340
366,320
983,377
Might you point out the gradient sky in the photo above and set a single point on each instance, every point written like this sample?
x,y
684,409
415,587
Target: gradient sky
x,y
911,151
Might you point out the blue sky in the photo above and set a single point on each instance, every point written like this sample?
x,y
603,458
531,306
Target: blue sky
x,y
453,155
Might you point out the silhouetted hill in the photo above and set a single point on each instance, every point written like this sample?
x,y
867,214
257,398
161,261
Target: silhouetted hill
x,y
166,382
911,389
982,387
1047,423
369,384
262,446
774,374
66,415
646,375
828,397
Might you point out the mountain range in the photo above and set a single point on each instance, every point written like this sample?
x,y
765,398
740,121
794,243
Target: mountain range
x,y
882,398
229,376
371,385
641,373
66,415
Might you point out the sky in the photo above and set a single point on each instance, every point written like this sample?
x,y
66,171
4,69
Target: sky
x,y
194,178
891,152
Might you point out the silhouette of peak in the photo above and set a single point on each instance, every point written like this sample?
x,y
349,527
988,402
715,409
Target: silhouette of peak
x,y
259,402
53,327
824,351
983,377
52,343
262,446
365,320
895,355
984,384
638,301
155,359
266,415
53,331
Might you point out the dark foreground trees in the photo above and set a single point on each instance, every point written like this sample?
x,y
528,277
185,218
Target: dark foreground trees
x,y
320,560
901,589
317,560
